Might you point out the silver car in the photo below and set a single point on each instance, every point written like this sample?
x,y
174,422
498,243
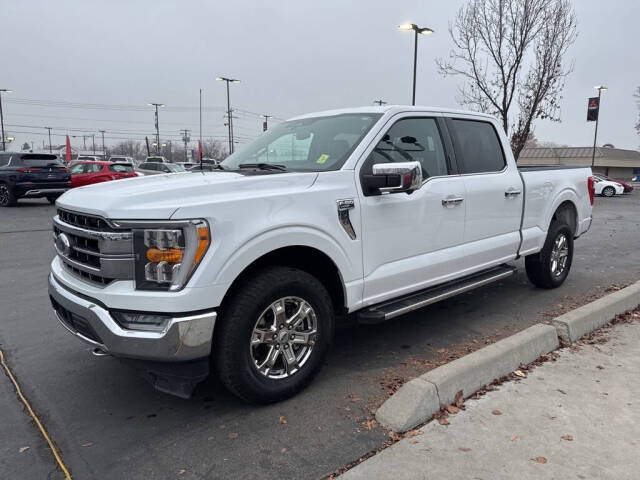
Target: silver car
x,y
154,168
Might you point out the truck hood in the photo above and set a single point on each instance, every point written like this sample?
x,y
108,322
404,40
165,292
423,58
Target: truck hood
x,y
160,196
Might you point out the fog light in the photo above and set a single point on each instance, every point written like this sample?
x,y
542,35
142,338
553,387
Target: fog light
x,y
148,322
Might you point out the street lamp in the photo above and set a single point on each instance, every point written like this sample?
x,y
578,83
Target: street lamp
x,y
600,89
417,30
3,90
157,128
229,116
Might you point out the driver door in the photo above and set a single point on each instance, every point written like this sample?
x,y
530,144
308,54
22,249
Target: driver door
x,y
412,241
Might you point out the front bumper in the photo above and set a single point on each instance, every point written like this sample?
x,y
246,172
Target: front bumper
x,y
186,337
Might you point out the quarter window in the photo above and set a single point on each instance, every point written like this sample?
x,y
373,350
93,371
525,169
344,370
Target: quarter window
x,y
479,146
409,140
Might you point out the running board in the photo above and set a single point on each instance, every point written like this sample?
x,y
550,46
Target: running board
x,y
399,306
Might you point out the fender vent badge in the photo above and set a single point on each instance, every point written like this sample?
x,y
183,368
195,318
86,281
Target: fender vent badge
x,y
344,206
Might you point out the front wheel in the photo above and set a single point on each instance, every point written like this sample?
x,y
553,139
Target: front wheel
x,y
52,199
273,335
608,191
549,267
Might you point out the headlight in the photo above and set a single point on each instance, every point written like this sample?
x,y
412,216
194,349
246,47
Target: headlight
x,y
167,255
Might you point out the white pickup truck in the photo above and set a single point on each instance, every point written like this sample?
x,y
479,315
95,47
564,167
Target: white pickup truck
x,y
363,213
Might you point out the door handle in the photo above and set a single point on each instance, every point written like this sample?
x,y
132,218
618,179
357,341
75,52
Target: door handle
x,y
512,192
452,201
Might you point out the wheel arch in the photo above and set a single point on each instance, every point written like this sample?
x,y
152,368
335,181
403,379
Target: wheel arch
x,y
567,212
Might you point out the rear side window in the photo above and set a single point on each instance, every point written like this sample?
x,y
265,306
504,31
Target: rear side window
x,y
4,159
121,168
93,167
478,145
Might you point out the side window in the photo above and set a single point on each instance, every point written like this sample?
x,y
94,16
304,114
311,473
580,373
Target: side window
x,y
148,166
93,167
479,146
412,139
76,169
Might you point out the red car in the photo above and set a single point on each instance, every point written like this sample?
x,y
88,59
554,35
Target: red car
x,y
86,173
627,188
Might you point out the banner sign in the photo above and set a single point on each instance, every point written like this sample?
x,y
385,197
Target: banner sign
x,y
592,109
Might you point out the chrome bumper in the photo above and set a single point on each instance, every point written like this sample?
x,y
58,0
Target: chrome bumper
x,y
38,192
185,337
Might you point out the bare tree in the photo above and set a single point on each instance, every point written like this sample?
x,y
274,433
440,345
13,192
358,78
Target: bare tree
x,y
510,53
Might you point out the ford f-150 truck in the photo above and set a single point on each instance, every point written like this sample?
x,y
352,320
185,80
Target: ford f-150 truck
x,y
361,214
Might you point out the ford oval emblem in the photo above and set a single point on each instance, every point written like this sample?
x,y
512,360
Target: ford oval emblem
x,y
63,244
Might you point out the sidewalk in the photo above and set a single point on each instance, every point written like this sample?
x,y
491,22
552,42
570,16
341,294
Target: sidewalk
x,y
575,418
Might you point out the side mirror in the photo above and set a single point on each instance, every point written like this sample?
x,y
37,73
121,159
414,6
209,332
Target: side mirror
x,y
394,178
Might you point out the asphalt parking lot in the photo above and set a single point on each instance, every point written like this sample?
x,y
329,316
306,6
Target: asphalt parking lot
x,y
108,423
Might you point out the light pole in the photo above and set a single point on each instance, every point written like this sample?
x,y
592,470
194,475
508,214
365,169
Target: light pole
x,y
49,128
416,29
3,90
229,116
380,102
157,127
265,124
600,88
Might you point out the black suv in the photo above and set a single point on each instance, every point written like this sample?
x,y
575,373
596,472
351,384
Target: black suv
x,y
31,175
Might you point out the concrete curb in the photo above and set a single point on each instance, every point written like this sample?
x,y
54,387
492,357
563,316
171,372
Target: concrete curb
x,y
576,323
416,401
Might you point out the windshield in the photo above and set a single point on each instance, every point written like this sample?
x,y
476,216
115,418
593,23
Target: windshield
x,y
311,144
174,168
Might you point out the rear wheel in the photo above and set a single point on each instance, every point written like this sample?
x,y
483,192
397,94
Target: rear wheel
x,y
608,191
273,335
7,198
549,268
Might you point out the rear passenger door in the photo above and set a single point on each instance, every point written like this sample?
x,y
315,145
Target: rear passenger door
x,y
494,193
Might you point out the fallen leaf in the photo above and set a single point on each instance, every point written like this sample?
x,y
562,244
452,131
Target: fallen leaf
x,y
519,373
414,441
464,449
496,412
394,436
354,398
513,437
452,409
541,459
283,450
233,435
567,437
23,449
369,424
441,350
459,400
443,421
413,433
283,419
181,471
88,444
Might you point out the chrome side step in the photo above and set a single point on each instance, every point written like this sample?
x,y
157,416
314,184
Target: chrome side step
x,y
399,306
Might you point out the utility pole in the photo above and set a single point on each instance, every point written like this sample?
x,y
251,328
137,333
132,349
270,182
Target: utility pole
x,y
156,105
93,139
49,128
3,90
201,118
104,152
185,138
229,111
380,102
265,123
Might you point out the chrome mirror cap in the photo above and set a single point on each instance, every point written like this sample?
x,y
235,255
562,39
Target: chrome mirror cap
x,y
410,174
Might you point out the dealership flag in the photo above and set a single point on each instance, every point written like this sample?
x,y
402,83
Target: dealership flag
x,y
199,151
68,153
592,109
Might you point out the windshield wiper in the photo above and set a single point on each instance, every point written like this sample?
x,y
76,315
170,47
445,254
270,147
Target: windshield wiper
x,y
263,166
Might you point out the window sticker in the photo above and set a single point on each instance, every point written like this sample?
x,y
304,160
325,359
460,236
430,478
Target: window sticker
x,y
322,158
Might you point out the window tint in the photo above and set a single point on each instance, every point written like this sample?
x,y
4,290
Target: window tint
x,y
409,140
36,160
4,159
76,169
121,168
479,146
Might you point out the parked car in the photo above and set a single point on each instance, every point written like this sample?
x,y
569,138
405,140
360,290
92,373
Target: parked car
x,y
157,159
122,159
187,165
31,175
88,158
365,213
607,188
627,188
152,168
87,173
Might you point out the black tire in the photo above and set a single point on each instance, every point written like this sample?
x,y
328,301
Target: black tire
x,y
232,353
608,192
540,266
7,198
52,199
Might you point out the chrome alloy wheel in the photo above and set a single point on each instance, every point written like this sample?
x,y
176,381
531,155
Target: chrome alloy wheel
x,y
4,195
283,337
559,255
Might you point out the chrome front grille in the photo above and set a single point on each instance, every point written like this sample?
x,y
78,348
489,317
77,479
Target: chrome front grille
x,y
93,248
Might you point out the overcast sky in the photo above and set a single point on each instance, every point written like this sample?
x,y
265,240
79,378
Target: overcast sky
x,y
293,57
